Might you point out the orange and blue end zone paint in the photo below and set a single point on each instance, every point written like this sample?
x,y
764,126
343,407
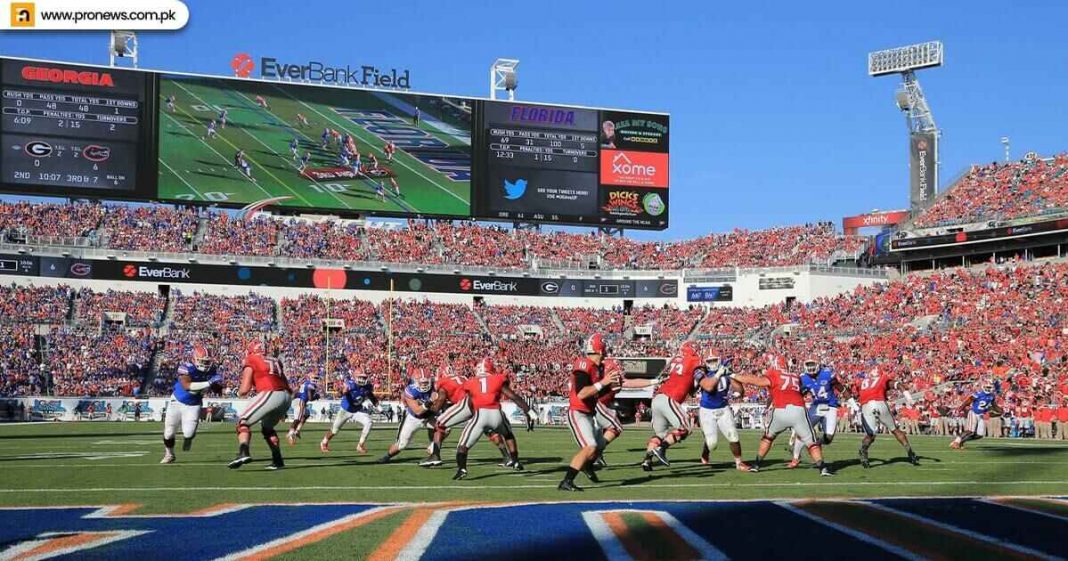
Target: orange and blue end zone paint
x,y
930,528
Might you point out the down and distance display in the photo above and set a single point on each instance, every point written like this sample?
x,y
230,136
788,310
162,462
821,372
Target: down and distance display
x,y
67,126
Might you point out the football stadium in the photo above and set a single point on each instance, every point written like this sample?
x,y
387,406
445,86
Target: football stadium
x,y
268,304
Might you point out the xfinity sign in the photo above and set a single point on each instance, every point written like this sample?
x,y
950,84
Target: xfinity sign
x,y
315,71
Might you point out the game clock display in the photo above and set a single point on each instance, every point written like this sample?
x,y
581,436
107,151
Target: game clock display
x,y
70,127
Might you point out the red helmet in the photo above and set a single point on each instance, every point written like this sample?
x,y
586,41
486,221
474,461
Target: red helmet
x,y
688,349
201,359
255,347
485,367
595,345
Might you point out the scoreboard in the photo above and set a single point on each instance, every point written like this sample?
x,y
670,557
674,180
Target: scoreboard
x,y
89,131
68,128
565,165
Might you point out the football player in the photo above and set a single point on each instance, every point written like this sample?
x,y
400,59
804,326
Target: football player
x,y
389,149
307,392
679,384
607,419
978,404
417,397
487,389
589,382
355,392
874,411
183,411
450,391
262,102
823,387
302,121
787,411
294,147
265,375
222,118
170,103
211,130
715,414
304,161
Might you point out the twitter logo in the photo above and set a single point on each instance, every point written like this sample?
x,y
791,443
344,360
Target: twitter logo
x,y
514,191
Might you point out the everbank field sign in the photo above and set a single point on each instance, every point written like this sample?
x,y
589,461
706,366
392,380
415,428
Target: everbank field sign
x,y
244,66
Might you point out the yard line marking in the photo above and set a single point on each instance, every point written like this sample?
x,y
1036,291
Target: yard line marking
x,y
379,150
180,178
212,148
1001,502
398,201
866,538
463,488
220,136
610,545
419,543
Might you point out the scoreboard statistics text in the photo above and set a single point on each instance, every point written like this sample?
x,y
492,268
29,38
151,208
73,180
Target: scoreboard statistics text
x,y
70,128
573,166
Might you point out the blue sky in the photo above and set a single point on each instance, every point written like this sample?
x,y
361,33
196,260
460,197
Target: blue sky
x,y
774,119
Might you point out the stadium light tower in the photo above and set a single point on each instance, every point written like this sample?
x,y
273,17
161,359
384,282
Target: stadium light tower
x,y
504,77
123,44
923,132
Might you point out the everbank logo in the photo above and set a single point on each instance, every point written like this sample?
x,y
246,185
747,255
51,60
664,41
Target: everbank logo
x,y
132,271
467,285
637,169
243,66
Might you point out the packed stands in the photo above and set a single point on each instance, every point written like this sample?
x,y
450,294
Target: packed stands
x,y
1002,191
44,304
174,230
141,308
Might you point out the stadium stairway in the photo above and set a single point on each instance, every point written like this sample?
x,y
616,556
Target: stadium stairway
x,y
693,328
201,231
557,321
482,324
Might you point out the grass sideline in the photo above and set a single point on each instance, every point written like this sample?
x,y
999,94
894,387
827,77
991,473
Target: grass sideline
x,y
105,463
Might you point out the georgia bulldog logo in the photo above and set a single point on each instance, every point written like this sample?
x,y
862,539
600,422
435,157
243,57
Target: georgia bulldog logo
x,y
129,271
465,284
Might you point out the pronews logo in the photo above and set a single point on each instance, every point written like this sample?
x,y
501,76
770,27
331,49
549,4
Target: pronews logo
x,y
315,71
143,271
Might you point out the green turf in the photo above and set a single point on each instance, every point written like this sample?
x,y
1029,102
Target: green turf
x,y
199,169
989,467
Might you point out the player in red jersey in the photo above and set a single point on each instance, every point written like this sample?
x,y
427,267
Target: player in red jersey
x,y
607,419
487,389
390,148
679,383
874,410
451,393
588,384
787,411
273,396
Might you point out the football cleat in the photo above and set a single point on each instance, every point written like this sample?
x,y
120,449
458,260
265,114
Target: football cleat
x,y
187,444
793,463
275,466
826,472
460,474
591,475
324,446
291,438
954,445
914,459
384,459
661,456
742,466
239,460
647,466
753,469
600,462
361,448
864,459
517,466
566,485
704,456
167,459
432,461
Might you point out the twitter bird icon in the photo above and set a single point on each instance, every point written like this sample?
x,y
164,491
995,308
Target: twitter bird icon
x,y
515,191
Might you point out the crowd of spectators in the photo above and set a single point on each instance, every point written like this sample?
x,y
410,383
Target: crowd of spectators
x,y
1002,191
173,229
141,308
941,334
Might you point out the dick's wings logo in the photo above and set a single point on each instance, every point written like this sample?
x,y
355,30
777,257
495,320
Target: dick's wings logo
x,y
634,169
623,202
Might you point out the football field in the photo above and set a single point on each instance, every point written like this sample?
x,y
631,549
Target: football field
x,y
431,165
343,505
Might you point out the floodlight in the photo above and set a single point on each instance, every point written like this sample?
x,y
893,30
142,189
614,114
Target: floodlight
x,y
902,59
504,77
